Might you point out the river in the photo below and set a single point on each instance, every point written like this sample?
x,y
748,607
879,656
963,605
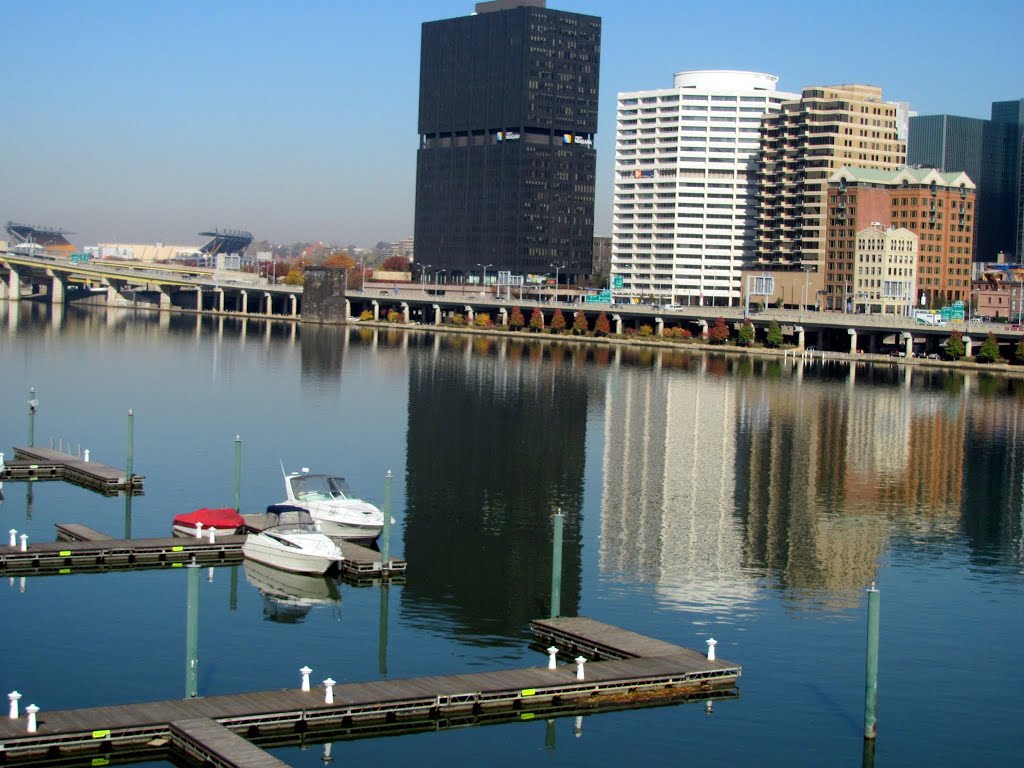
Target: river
x,y
748,500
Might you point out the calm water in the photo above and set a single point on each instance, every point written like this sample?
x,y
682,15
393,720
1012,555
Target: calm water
x,y
705,496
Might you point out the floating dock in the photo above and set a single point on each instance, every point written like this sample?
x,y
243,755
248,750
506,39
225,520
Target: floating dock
x,y
48,464
80,549
198,728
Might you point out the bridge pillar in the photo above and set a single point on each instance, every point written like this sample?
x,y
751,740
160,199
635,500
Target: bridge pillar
x,y
469,315
968,346
908,344
199,298
270,303
243,306
703,327
437,314
659,326
13,285
376,309
219,292
293,302
58,287
617,319
348,308
799,330
853,340
405,311
504,315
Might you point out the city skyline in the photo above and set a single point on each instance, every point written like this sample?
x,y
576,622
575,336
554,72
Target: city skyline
x,y
150,124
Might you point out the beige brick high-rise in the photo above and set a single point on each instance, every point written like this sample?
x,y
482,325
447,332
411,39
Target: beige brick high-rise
x,y
801,146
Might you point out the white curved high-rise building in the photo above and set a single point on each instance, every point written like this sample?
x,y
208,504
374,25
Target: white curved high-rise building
x,y
685,209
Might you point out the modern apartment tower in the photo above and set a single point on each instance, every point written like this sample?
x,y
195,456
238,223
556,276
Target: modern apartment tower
x,y
505,169
801,146
685,210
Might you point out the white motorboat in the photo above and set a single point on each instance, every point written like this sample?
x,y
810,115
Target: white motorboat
x,y
291,541
330,502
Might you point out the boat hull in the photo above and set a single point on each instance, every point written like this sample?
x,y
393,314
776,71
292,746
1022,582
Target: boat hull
x,y
267,550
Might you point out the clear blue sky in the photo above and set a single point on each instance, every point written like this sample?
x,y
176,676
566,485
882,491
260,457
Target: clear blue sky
x,y
150,121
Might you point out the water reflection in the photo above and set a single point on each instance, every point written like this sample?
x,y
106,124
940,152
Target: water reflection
x,y
496,435
289,597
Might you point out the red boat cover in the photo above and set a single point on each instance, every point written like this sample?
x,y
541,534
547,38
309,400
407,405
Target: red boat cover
x,y
216,518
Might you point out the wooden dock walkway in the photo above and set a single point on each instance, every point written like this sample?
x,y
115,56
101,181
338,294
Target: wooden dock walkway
x,y
382,706
80,549
48,464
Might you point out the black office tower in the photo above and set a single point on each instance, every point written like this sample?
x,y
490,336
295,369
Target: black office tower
x,y
506,164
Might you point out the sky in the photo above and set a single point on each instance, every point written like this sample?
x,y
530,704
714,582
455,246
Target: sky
x,y
148,122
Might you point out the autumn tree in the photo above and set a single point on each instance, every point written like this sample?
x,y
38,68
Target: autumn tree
x,y
773,337
339,260
602,327
558,322
537,320
294,277
719,332
516,320
579,323
989,352
395,264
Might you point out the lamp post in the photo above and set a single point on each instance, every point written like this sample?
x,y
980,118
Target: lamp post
x,y
557,268
424,272
483,278
437,275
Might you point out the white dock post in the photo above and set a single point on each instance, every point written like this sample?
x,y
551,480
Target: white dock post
x,y
85,455
711,648
199,530
31,710
327,745
13,697
577,728
213,535
305,677
14,537
552,652
24,542
329,693
580,661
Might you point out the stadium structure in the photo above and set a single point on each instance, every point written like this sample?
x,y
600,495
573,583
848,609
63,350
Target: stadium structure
x,y
226,241
50,238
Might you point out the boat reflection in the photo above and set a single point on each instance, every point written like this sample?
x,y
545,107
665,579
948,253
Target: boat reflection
x,y
289,597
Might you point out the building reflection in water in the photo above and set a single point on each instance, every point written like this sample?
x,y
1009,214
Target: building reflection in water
x,y
496,433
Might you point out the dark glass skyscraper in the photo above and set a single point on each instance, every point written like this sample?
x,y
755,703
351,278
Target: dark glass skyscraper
x,y
506,165
991,152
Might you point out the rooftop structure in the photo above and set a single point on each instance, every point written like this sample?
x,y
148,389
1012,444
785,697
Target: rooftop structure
x,y
224,241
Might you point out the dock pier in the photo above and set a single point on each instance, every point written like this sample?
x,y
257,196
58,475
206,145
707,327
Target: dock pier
x,y
198,728
80,549
35,463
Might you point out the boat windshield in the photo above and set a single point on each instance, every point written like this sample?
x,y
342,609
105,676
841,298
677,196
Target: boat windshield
x,y
289,521
318,488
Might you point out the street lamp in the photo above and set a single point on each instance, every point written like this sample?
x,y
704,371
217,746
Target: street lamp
x,y
437,276
483,278
424,272
557,267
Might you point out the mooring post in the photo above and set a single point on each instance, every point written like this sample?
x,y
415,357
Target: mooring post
x,y
871,671
233,591
552,657
32,405
14,537
329,691
31,711
382,629
131,448
238,473
127,514
192,633
556,565
305,672
24,542
385,547
13,697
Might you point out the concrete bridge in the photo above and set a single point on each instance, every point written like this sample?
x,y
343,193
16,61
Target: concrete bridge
x,y
202,290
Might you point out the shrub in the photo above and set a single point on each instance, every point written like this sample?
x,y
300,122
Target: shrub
x,y
773,337
1018,352
483,320
458,319
366,314
745,337
719,332
678,334
645,330
394,316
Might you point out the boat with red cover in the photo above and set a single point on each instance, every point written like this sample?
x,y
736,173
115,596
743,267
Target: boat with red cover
x,y
225,521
